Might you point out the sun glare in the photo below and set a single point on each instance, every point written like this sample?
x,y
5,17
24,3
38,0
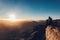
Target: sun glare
x,y
12,17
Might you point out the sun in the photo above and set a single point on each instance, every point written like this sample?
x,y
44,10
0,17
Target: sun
x,y
12,17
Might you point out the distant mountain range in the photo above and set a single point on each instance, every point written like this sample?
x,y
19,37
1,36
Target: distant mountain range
x,y
30,30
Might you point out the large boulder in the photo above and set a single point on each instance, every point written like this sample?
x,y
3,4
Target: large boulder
x,y
52,33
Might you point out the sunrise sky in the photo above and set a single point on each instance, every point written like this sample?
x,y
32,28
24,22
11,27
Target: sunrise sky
x,y
30,9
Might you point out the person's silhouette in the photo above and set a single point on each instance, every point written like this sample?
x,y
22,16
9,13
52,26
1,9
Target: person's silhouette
x,y
49,21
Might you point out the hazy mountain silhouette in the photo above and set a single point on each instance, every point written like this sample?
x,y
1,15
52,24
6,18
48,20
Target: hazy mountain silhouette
x,y
30,30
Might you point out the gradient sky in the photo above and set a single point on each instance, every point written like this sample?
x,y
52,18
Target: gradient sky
x,y
30,9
